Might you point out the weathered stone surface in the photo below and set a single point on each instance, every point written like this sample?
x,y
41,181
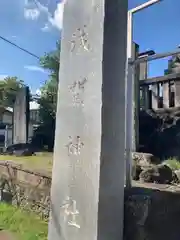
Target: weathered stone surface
x,y
142,161
155,96
87,195
143,70
21,116
136,170
166,97
145,159
177,93
175,178
159,174
145,98
136,105
151,214
177,172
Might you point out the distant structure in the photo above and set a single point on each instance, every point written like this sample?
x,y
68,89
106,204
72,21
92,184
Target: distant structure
x,y
173,64
34,113
21,116
6,124
164,91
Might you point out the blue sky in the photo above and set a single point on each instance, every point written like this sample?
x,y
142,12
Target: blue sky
x,y
157,28
35,25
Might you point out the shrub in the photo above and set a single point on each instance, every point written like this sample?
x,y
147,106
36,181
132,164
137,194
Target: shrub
x,y
173,163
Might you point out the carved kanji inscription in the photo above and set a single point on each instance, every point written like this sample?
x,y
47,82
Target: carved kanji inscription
x,y
76,89
80,37
70,212
74,146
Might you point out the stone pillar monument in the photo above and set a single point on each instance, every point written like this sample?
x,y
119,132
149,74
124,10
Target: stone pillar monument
x,y
166,94
143,74
177,93
155,96
87,194
145,97
135,138
21,116
143,70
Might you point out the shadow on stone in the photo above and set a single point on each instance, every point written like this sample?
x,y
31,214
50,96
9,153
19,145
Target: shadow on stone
x,y
158,173
151,214
20,149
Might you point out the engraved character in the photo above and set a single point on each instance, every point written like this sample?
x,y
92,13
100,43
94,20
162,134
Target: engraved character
x,y
76,88
77,100
71,212
82,83
81,36
74,148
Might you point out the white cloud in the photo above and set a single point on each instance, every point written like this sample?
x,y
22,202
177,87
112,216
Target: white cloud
x,y
31,10
32,14
46,27
42,8
57,18
38,92
34,9
3,76
34,68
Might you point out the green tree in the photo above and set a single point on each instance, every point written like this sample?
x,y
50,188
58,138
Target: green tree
x,y
8,90
50,61
44,135
48,99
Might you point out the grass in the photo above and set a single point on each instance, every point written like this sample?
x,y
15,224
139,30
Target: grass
x,y
24,225
173,163
42,161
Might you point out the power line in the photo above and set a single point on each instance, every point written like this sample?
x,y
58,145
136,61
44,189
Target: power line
x,y
20,48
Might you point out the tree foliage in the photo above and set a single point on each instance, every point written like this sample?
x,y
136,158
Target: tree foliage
x,y
50,61
44,134
48,99
8,90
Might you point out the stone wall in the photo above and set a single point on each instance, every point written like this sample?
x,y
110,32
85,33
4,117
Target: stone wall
x,y
152,211
21,187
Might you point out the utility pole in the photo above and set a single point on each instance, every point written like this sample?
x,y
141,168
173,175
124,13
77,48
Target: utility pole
x,y
130,130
